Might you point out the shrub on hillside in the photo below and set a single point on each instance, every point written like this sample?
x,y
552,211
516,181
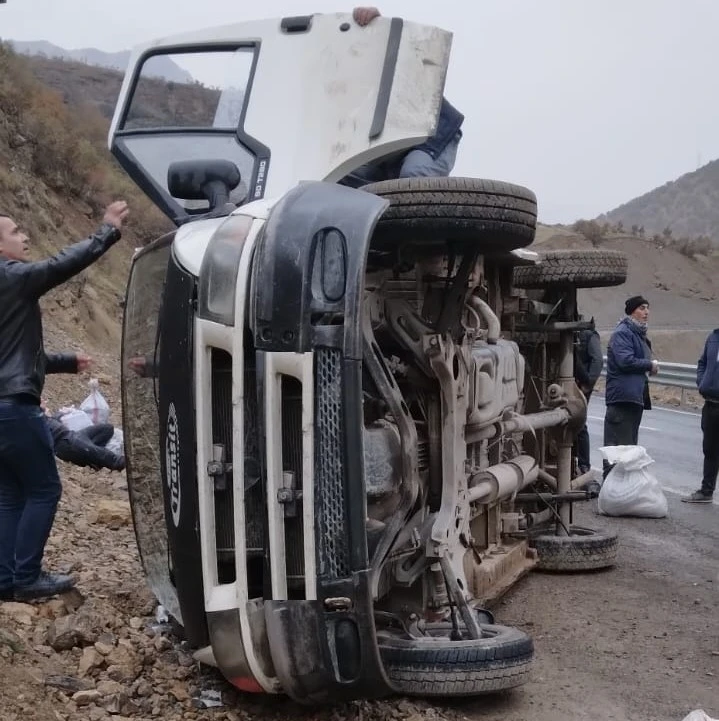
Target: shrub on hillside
x,y
591,230
691,247
64,146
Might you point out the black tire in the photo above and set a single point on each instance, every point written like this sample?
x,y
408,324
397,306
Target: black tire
x,y
496,216
578,268
439,666
583,550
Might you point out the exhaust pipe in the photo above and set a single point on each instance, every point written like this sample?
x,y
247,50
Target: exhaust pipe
x,y
503,480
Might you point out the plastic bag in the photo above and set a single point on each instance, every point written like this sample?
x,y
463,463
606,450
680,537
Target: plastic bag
x,y
631,489
699,715
116,444
73,418
95,404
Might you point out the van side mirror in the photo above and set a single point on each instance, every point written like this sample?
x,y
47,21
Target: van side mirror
x,y
210,180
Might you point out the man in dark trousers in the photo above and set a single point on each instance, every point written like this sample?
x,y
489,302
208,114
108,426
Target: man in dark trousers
x,y
708,385
629,359
588,364
85,447
29,482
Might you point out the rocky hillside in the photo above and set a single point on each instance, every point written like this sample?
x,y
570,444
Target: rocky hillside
x,y
687,207
55,178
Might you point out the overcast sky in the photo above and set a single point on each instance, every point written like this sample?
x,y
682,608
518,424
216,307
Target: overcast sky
x,y
588,102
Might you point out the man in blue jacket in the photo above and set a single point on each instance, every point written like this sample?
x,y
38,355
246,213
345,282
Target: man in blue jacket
x,y
29,483
629,360
708,385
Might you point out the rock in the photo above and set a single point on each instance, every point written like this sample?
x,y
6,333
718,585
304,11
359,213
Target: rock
x,y
114,514
123,664
53,609
72,600
180,693
19,613
113,704
118,704
90,659
110,688
136,623
70,631
85,698
68,684
105,644
122,674
143,689
10,643
162,643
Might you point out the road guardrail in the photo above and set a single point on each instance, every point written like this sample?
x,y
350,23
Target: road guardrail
x,y
678,375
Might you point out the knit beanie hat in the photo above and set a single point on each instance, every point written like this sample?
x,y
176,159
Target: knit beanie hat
x,y
633,303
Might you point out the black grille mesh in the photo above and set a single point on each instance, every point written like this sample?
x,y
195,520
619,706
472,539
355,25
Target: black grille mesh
x,y
222,433
333,556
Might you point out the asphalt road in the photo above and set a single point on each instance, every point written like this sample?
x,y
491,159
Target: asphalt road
x,y
639,642
673,438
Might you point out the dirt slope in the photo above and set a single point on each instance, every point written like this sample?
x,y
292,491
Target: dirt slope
x,y
682,291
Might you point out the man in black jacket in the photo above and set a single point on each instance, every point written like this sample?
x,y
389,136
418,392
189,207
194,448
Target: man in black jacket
x,y
29,482
588,362
708,385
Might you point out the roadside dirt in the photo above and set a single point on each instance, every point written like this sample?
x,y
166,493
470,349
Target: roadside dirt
x,y
638,643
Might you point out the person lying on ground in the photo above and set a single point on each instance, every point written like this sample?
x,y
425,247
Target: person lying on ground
x,y
85,447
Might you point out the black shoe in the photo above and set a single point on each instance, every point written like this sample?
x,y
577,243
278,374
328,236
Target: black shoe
x,y
119,464
698,497
593,488
7,594
47,584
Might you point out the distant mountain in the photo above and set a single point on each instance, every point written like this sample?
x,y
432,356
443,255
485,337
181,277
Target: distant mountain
x,y
160,66
687,207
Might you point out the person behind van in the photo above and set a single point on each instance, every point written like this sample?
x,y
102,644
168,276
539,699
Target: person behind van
x,y
708,385
629,360
433,158
588,363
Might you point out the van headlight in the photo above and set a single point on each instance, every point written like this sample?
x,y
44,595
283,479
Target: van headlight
x,y
218,272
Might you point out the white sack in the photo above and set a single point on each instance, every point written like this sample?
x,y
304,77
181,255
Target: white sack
x,y
74,419
631,489
95,404
116,444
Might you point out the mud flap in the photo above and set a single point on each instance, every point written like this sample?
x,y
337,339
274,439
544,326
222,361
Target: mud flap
x,y
308,279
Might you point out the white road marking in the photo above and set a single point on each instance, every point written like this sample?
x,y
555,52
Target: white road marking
x,y
681,413
641,428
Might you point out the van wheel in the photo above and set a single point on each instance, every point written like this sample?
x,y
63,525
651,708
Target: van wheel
x,y
495,216
583,550
435,665
577,268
